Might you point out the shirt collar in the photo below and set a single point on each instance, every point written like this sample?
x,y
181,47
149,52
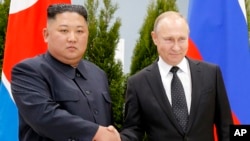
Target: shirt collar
x,y
66,69
183,66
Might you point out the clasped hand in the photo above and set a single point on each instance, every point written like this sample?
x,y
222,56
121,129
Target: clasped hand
x,y
107,134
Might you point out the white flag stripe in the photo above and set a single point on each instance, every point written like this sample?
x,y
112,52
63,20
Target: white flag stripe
x,y
243,8
6,83
19,5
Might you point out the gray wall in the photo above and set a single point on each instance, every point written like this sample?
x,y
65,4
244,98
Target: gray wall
x,y
132,14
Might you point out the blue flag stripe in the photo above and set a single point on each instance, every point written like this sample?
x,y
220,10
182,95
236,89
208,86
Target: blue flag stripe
x,y
8,116
219,29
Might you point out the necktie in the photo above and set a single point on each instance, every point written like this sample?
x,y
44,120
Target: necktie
x,y
179,104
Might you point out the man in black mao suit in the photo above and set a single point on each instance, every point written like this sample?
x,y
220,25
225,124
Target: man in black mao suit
x,y
59,96
149,101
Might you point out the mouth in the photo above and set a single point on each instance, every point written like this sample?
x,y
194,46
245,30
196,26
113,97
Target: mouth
x,y
175,54
71,48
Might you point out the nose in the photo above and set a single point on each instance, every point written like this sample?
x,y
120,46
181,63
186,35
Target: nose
x,y
176,46
72,37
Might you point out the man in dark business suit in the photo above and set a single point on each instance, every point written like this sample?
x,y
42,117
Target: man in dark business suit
x,y
149,100
59,96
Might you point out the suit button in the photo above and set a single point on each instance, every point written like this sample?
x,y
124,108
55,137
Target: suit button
x,y
96,112
78,75
88,92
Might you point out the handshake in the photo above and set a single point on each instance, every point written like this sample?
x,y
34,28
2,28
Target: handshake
x,y
107,134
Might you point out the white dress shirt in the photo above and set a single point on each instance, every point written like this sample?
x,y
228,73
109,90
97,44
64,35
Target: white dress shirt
x,y
184,75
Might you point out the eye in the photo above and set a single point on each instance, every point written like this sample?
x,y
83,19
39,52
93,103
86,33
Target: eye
x,y
181,40
79,31
168,40
63,30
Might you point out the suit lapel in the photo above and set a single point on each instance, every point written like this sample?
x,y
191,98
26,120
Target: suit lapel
x,y
196,76
155,82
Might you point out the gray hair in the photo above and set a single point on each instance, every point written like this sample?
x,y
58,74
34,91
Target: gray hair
x,y
169,15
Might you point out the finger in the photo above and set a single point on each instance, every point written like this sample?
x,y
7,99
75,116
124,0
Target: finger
x,y
111,128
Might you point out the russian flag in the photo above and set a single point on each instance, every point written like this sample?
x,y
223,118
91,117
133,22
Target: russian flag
x,y
24,39
219,34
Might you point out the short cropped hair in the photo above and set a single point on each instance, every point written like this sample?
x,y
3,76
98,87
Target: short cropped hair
x,y
55,9
169,15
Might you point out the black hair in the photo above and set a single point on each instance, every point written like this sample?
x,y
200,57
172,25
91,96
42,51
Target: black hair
x,y
55,9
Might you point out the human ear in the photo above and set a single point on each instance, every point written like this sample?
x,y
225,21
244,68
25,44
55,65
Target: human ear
x,y
45,35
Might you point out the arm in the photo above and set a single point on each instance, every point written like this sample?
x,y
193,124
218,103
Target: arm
x,y
133,129
34,99
223,117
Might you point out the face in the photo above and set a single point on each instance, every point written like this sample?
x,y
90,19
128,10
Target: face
x,y
171,39
67,37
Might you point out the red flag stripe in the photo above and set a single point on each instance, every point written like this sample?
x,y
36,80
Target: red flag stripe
x,y
24,39
24,34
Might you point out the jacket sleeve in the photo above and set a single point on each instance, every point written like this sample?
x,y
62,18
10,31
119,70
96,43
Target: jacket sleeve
x,y
133,129
223,116
41,112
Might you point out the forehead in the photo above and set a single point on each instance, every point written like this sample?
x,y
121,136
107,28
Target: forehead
x,y
176,24
171,22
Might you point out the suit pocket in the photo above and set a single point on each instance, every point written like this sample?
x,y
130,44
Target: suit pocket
x,y
106,97
207,97
207,92
66,95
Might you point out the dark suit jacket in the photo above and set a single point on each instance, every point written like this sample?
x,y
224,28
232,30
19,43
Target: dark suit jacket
x,y
148,109
53,106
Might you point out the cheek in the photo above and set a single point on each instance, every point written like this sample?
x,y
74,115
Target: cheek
x,y
163,48
83,40
162,51
185,47
56,42
55,38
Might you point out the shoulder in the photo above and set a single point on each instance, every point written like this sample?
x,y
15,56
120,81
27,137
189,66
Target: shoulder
x,y
91,67
148,70
201,63
30,67
203,66
32,62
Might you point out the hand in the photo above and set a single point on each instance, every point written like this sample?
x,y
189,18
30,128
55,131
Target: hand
x,y
106,134
112,129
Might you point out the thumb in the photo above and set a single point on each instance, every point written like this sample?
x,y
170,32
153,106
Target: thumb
x,y
111,128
